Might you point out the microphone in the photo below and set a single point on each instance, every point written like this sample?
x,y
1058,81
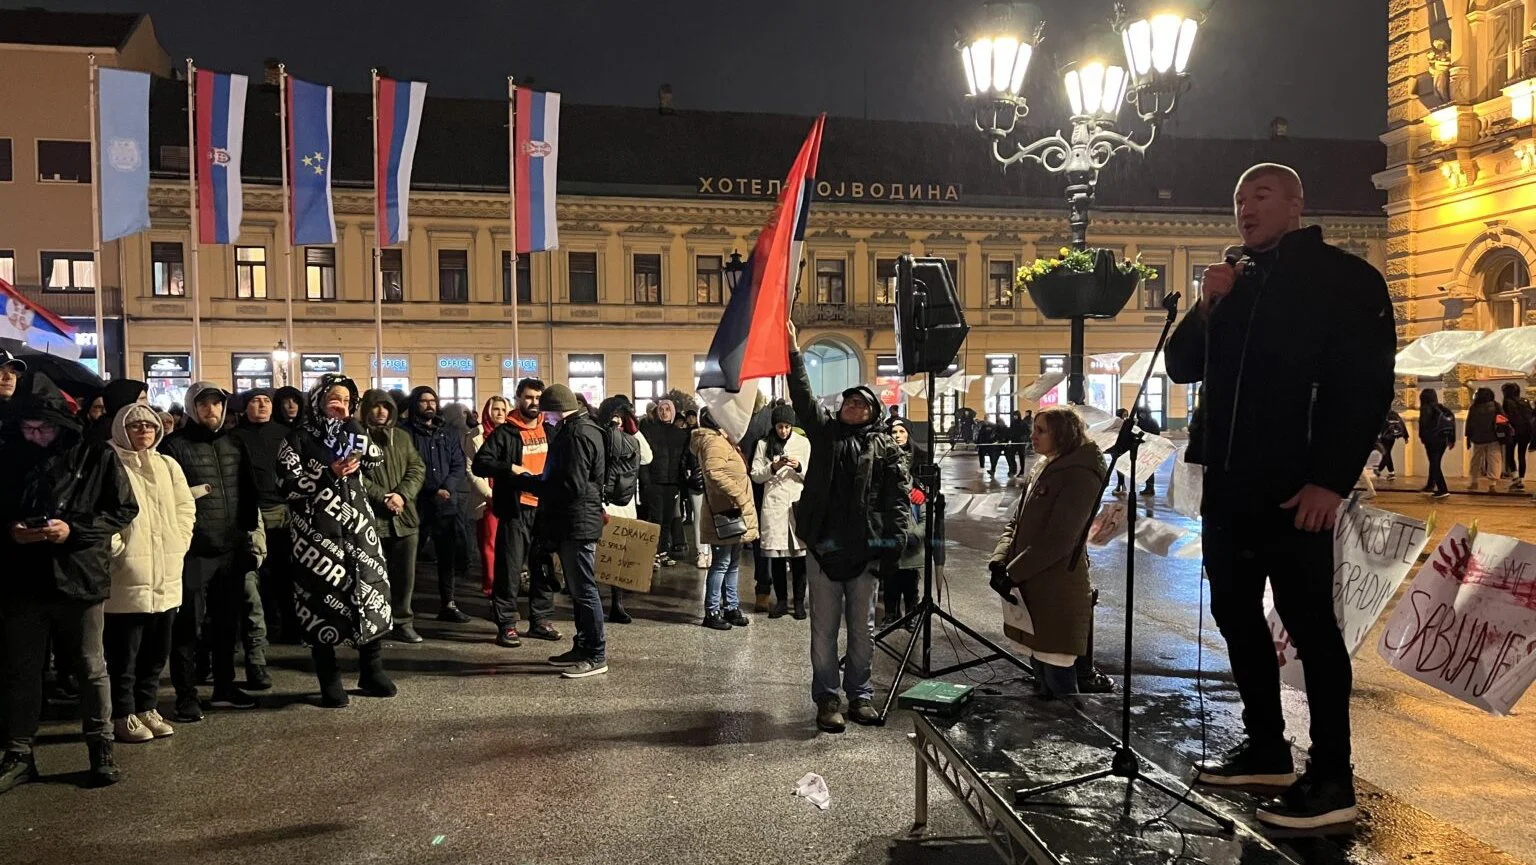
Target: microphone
x,y
1233,254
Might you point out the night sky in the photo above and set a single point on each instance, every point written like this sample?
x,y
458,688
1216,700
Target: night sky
x,y
1319,63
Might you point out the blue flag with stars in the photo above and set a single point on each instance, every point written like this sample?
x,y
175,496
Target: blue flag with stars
x,y
309,163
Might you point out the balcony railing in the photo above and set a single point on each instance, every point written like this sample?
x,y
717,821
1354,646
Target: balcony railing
x,y
74,303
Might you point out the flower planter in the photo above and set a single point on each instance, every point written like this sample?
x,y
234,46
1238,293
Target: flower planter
x,y
1102,293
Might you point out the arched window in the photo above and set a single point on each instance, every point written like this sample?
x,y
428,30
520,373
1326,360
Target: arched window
x,y
1503,273
833,366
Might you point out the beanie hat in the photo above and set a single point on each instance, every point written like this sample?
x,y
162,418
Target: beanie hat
x,y
784,414
558,397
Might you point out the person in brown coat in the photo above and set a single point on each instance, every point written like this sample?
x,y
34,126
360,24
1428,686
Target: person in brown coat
x,y
727,520
1041,551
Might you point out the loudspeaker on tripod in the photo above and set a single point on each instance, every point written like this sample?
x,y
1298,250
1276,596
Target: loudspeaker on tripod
x,y
930,325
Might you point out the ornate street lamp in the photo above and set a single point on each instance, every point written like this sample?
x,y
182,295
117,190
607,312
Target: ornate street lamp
x,y
280,358
734,269
1151,76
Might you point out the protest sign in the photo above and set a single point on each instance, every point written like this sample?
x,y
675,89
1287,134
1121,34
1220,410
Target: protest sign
x,y
1108,525
1373,550
1468,623
1187,487
626,553
1154,451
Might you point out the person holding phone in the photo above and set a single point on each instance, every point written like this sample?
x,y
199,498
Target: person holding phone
x,y
728,520
779,464
61,501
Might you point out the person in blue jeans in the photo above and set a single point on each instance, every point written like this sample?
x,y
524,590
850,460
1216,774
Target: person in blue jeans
x,y
854,512
726,522
570,520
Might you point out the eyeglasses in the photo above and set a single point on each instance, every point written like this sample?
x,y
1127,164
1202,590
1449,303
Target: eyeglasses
x,y
142,426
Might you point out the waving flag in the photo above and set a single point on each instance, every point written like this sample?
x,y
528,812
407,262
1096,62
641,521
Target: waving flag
x,y
220,124
31,324
397,116
752,341
309,163
123,109
537,150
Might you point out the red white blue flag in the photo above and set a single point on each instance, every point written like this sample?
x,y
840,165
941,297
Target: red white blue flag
x,y
537,144
398,120
752,341
220,125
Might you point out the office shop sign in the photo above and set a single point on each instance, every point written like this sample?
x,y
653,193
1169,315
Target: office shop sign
x,y
832,190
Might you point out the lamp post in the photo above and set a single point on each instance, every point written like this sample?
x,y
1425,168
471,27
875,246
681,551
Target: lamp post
x,y
280,358
733,271
996,59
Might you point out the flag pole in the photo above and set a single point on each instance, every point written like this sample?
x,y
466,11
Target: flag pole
x,y
101,337
192,159
378,247
512,212
287,230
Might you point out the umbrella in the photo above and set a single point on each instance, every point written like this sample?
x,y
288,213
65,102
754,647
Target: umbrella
x,y
71,377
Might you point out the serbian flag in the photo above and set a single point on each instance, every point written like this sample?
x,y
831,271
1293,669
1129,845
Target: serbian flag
x,y
219,98
397,120
31,324
752,341
311,210
537,149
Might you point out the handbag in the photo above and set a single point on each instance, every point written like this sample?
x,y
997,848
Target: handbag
x,y
730,524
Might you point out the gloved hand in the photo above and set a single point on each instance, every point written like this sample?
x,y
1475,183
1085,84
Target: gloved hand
x,y
1001,582
918,497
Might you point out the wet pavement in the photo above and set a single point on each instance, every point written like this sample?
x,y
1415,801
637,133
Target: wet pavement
x,y
689,750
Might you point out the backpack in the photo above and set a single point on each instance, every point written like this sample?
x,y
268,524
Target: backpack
x,y
1445,424
621,467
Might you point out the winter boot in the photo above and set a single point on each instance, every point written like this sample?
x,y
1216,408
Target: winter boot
x,y
371,677
763,601
333,695
800,596
104,771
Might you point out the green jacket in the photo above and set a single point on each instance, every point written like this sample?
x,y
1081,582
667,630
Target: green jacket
x,y
400,472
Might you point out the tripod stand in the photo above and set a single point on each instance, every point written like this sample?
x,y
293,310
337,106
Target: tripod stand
x,y
1125,762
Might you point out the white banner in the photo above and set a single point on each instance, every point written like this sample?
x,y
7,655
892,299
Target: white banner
x,y
1187,488
1154,451
1468,623
1373,550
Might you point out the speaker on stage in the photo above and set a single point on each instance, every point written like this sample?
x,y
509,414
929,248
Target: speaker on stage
x,y
930,325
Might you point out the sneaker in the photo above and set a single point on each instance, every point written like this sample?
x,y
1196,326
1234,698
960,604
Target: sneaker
x,y
1250,764
542,631
231,698
665,560
404,634
103,772
1516,484
1441,495
1097,683
507,637
130,729
256,678
1311,803
567,659
451,613
585,668
1391,476
716,622
702,562
862,711
828,717
15,770
735,617
188,710
156,724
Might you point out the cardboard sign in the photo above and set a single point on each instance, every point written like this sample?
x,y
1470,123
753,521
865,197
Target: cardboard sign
x,y
1373,550
626,553
1467,625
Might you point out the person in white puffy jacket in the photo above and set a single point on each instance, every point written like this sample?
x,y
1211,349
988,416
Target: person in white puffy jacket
x,y
779,464
146,575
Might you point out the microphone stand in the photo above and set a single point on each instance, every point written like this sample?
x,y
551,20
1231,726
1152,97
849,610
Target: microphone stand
x,y
1125,762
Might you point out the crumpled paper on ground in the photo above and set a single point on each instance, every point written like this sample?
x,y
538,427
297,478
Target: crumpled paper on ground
x,y
1156,536
813,788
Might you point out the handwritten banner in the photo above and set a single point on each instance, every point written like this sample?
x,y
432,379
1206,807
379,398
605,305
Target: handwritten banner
x,y
1373,550
626,553
1468,622
1154,451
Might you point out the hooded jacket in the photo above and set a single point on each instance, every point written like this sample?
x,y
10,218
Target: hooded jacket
x,y
294,394
855,507
340,580
512,444
227,514
78,482
571,490
442,454
668,443
260,442
399,471
118,393
1307,336
147,554
781,490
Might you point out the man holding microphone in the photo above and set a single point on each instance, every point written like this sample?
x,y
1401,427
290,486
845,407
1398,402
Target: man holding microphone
x,y
1293,343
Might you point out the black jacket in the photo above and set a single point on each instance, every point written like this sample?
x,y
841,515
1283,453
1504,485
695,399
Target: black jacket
x,y
494,460
1300,376
1019,430
227,514
856,505
79,482
571,490
668,444
1437,426
260,442
1482,424
1519,413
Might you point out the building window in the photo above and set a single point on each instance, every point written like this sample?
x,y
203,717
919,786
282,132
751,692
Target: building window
x,y
63,161
831,287
582,271
584,375
456,389
8,265
392,275
453,276
1506,274
1000,283
648,373
68,271
250,272
647,278
524,278
1156,400
1505,31
709,280
1001,394
169,270
320,272
5,162
885,281
1155,287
